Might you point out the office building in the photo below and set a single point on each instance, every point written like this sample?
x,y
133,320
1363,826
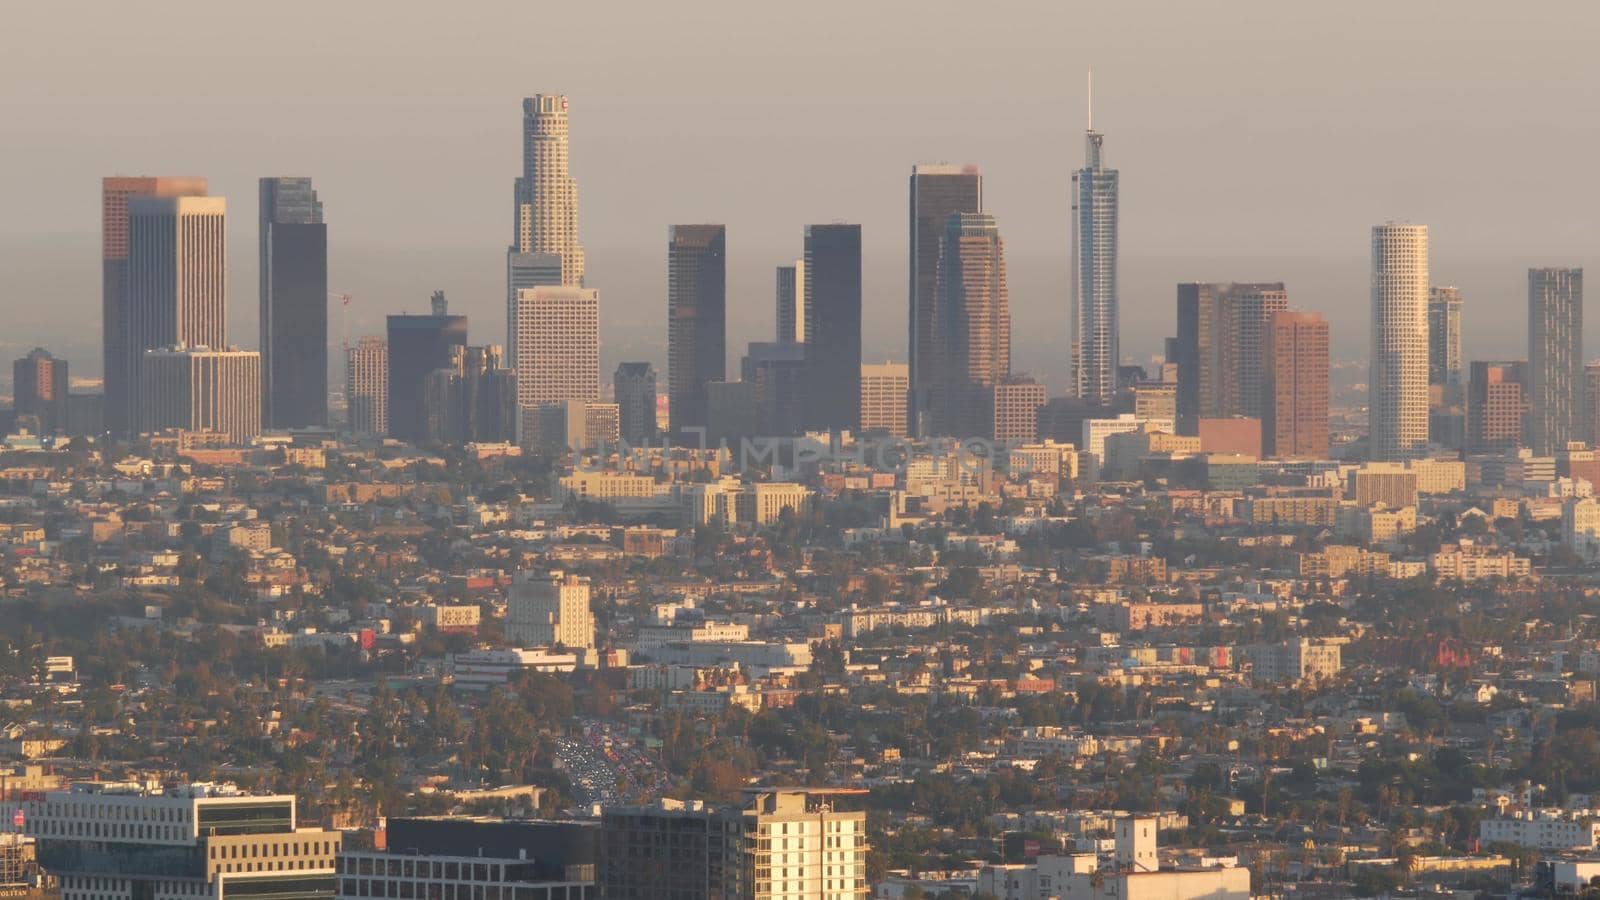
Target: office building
x,y
1095,347
472,400
418,345
976,326
1495,405
782,844
177,282
776,374
133,841
833,326
938,191
1591,395
557,336
86,414
1444,336
1555,359
511,859
1013,411
697,299
39,390
791,303
730,415
115,354
1295,420
200,389
557,426
1221,349
1397,380
884,388
634,387
294,305
549,609
523,271
546,196
1155,400
366,385
673,850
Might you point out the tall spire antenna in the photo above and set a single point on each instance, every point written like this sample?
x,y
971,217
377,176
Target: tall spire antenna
x,y
1091,98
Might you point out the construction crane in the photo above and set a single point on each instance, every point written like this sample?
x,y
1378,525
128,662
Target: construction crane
x,y
344,315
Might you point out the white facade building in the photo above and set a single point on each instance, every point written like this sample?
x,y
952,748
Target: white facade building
x,y
548,610
1398,368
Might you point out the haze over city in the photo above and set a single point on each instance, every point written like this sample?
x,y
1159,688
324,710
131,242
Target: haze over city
x,y
1257,145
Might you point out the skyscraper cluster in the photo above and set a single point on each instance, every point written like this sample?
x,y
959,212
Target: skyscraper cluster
x,y
1240,353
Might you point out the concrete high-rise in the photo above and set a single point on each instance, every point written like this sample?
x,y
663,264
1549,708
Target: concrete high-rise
x,y
1220,349
634,388
833,326
1555,359
549,609
294,305
1397,380
791,303
202,389
177,282
1444,336
697,300
366,385
884,390
776,375
115,355
1295,420
556,331
938,191
39,389
976,326
471,400
1095,348
1495,405
1591,394
419,345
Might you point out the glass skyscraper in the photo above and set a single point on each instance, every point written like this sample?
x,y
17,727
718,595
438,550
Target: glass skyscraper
x,y
294,305
1094,275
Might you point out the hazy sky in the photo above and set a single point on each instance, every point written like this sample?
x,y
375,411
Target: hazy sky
x,y
1256,141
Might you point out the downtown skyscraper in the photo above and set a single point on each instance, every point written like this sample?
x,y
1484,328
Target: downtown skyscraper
x,y
976,328
294,305
1295,396
1444,336
544,250
1555,359
176,283
418,346
1397,379
697,300
1220,349
1095,349
833,327
115,354
938,191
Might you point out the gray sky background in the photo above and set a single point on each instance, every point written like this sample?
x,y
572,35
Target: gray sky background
x,y
1256,140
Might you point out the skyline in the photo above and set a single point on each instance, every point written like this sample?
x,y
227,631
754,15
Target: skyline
x,y
1231,201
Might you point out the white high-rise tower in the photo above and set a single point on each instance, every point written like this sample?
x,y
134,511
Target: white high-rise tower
x,y
1398,371
544,251
1095,350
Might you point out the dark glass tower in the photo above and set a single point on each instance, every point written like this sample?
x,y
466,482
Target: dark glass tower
x,y
417,346
937,193
833,326
697,300
294,305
